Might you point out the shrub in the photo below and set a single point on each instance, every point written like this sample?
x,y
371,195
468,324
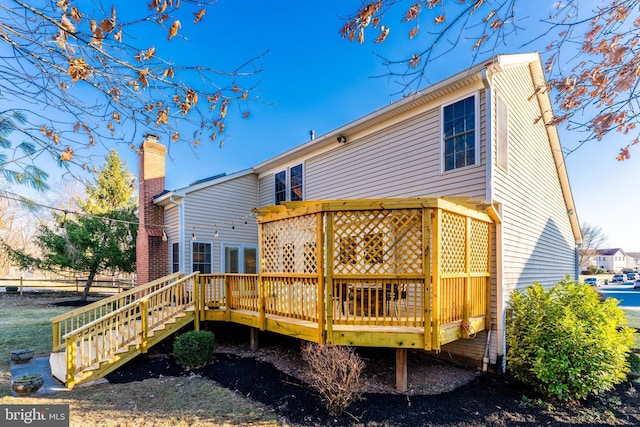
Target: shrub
x,y
565,342
336,374
194,348
634,362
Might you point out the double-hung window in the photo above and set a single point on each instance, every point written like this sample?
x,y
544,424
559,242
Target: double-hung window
x,y
201,257
289,184
459,134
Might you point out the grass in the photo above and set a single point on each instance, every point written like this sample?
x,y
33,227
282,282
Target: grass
x,y
184,401
24,323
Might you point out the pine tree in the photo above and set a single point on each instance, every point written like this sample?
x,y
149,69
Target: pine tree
x,y
100,238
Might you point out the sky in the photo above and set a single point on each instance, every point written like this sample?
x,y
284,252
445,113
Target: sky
x,y
313,79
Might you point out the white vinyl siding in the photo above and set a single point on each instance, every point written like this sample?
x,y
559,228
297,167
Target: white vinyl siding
x,y
537,238
225,208
402,160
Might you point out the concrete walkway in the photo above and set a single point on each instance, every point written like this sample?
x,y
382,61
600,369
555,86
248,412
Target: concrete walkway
x,y
37,365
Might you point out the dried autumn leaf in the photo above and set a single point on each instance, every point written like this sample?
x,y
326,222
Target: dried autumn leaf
x,y
245,94
173,31
107,25
150,53
76,127
175,137
168,73
413,32
245,115
66,155
415,60
110,126
479,42
76,15
116,116
384,32
79,69
67,25
63,4
142,77
118,36
199,15
412,13
439,19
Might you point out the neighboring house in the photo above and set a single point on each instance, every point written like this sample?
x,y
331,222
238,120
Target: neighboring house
x,y
633,260
613,260
483,134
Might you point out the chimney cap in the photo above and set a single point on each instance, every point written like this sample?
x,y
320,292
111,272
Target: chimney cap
x,y
151,137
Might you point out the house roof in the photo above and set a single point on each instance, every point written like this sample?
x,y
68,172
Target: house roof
x,y
609,252
633,254
166,197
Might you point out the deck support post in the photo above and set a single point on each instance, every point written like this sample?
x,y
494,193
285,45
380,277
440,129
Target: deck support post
x,y
401,369
253,338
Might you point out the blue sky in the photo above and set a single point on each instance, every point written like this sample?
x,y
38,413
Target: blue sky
x,y
314,79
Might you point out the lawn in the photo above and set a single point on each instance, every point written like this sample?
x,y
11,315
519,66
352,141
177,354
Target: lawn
x,y
168,401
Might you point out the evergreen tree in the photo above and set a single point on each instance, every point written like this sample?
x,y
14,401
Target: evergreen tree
x,y
99,239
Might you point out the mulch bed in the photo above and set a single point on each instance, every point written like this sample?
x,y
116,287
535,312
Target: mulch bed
x,y
488,400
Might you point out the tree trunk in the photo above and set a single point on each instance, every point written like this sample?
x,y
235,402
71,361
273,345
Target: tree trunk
x,y
87,286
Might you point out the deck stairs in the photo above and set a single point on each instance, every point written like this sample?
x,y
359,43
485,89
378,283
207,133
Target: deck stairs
x,y
95,340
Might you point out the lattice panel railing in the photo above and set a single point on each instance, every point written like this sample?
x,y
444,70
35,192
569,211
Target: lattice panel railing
x,y
378,242
452,246
288,246
480,246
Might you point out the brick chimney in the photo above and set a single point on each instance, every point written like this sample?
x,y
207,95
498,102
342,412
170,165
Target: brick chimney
x,y
151,250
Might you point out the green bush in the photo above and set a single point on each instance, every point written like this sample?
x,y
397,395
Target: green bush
x,y
634,362
565,342
194,348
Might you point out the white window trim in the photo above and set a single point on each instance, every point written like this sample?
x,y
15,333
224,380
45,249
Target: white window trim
x,y
287,172
192,242
476,106
243,246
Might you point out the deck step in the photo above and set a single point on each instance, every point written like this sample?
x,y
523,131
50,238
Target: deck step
x,y
120,356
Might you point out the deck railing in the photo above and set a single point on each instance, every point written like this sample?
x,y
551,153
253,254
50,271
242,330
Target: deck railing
x,y
130,324
391,301
79,317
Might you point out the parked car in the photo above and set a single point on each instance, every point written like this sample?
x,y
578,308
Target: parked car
x,y
592,281
632,277
636,284
617,278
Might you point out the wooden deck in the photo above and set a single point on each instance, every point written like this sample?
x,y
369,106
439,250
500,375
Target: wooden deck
x,y
402,274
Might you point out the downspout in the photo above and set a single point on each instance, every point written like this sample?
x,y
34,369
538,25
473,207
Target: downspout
x,y
499,335
180,230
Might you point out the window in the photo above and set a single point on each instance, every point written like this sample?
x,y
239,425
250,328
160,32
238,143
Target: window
x,y
502,137
240,258
175,257
281,187
289,184
459,131
201,257
296,183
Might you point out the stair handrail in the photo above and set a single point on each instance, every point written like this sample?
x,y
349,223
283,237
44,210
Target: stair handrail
x,y
74,319
71,338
